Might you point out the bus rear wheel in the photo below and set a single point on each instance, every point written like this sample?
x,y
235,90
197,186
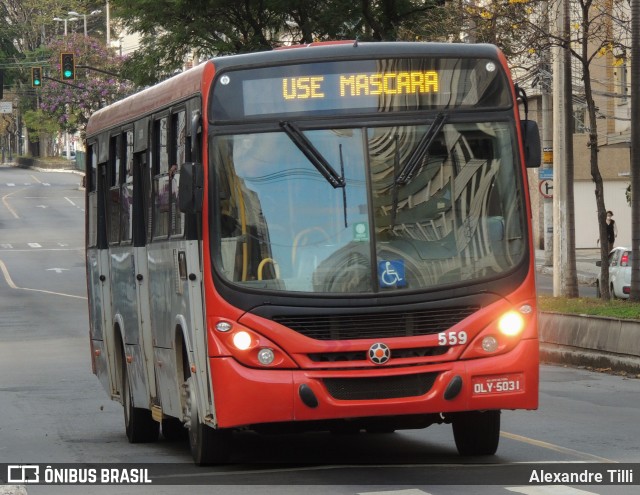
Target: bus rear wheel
x,y
208,445
476,432
139,424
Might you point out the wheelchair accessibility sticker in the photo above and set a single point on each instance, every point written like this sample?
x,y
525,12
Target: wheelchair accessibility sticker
x,y
391,273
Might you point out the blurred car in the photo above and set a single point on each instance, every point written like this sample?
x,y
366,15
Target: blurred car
x,y
72,154
619,273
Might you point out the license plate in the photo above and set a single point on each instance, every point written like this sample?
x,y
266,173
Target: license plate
x,y
498,384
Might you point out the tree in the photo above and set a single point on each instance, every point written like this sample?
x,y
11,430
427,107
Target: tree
x,y
598,35
72,106
593,41
173,29
27,27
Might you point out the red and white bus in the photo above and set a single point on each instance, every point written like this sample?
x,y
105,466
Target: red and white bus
x,y
333,237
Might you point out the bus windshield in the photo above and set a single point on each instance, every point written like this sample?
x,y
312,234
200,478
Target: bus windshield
x,y
456,217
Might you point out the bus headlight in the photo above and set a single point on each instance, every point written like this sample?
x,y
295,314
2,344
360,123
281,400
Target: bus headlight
x,y
489,344
249,347
503,334
511,323
266,356
242,340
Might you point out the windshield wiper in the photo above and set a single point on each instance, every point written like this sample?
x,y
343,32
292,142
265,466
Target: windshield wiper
x,y
313,155
420,151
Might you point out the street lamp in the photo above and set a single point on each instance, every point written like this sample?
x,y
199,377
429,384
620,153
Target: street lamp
x,y
98,11
59,19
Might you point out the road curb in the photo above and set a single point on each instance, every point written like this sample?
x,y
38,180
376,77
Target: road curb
x,y
600,342
583,278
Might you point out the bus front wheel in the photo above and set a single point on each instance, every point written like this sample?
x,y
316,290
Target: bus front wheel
x,y
208,445
476,432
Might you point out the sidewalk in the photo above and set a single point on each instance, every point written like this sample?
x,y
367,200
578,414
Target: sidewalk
x,y
586,267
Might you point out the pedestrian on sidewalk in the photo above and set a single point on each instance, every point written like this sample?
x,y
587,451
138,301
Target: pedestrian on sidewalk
x,y
612,230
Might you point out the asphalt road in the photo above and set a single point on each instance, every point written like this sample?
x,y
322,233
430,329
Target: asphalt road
x,y
53,410
544,285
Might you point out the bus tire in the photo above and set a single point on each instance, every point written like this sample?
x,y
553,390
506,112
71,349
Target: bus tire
x,y
139,424
476,432
174,430
208,445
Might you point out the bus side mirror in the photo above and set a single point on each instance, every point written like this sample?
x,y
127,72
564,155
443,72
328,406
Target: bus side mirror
x,y
190,189
531,141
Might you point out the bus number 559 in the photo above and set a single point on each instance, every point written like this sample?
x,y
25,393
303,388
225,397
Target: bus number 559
x,y
452,338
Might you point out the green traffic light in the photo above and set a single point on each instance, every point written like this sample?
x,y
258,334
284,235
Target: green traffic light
x,y
36,77
68,73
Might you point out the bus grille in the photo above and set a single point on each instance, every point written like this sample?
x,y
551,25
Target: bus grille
x,y
334,357
382,387
374,326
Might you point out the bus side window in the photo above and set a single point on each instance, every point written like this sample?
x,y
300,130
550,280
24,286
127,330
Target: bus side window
x,y
126,194
91,167
161,192
113,180
179,152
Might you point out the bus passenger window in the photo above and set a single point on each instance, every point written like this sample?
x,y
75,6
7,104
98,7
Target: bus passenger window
x,y
178,136
92,214
161,192
113,179
126,195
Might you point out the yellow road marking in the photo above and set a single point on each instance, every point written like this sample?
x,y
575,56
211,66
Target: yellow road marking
x,y
556,448
7,205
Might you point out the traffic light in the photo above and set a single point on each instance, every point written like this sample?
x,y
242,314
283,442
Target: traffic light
x,y
68,66
36,77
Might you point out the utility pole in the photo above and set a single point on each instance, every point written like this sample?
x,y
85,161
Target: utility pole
x,y
560,114
635,150
547,137
564,266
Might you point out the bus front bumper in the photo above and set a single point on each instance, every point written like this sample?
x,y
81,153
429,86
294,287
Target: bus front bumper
x,y
245,396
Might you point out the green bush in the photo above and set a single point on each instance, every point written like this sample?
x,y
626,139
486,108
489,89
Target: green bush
x,y
590,306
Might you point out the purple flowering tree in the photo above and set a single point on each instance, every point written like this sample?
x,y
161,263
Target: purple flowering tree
x,y
70,106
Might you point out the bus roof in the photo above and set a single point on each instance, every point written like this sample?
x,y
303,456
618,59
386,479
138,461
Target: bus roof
x,y
189,83
330,51
144,102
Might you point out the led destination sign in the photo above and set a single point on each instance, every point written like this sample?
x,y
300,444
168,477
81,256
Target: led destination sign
x,y
353,85
359,86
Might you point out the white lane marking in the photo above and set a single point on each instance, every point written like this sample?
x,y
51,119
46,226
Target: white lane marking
x,y
11,184
72,203
44,249
7,277
57,270
411,491
35,178
34,245
548,490
6,246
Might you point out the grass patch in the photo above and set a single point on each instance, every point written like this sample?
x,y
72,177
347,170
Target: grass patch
x,y
590,306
